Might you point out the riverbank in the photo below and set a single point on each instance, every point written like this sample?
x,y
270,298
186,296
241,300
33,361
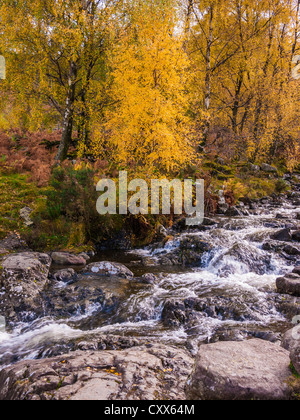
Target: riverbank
x,y
208,286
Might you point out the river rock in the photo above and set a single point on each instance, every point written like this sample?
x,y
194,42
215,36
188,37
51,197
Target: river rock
x,y
291,339
283,235
22,279
291,250
249,370
108,269
290,284
296,236
65,258
232,212
222,208
297,270
148,278
145,373
67,275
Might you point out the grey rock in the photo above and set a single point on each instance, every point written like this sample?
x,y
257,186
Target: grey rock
x,y
283,235
232,212
296,236
249,370
268,168
142,373
290,284
65,258
297,270
291,250
291,339
254,168
13,243
67,275
148,278
108,269
23,278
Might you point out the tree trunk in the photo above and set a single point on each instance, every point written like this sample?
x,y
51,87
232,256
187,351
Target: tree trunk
x,y
67,126
207,87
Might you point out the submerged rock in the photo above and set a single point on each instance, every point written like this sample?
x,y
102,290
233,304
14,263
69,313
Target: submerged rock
x,y
249,370
142,373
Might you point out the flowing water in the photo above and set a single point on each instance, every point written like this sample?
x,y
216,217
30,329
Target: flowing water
x,y
234,283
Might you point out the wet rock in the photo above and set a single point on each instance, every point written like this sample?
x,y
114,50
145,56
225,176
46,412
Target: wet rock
x,y
143,373
222,208
148,278
288,305
174,314
291,339
209,222
297,270
283,235
248,257
296,236
290,284
22,280
65,258
67,275
106,268
77,300
291,250
249,370
232,212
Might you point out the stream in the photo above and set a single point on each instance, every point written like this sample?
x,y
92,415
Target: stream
x,y
229,294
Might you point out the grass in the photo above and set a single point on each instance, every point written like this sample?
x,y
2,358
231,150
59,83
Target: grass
x,y
16,192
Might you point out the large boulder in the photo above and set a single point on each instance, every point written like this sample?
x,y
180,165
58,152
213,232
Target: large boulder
x,y
144,373
289,284
249,370
22,279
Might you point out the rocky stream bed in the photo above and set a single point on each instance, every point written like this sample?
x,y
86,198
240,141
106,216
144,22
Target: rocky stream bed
x,y
207,313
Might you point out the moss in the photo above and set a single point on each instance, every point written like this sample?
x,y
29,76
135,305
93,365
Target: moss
x,y
16,192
